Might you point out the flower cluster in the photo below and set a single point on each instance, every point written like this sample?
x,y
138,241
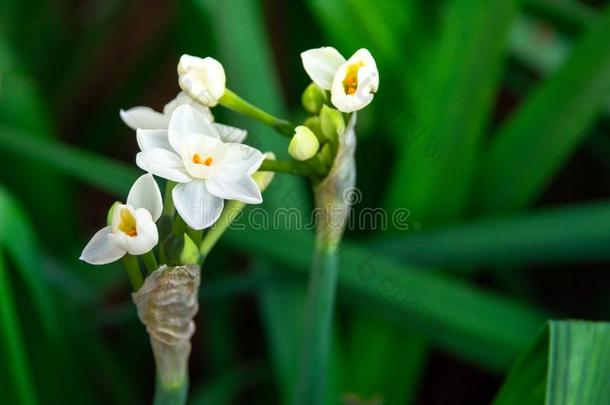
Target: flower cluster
x,y
340,88
182,144
205,163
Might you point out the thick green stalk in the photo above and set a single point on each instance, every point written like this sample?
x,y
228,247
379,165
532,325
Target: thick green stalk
x,y
168,201
166,222
238,104
318,324
173,395
332,207
133,271
180,227
150,262
290,166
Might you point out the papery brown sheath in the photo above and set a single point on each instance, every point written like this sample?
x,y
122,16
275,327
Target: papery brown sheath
x,y
167,304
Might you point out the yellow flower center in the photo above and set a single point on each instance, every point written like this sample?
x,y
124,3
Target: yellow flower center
x,y
199,161
128,223
350,83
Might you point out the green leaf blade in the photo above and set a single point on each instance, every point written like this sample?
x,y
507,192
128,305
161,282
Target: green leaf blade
x,y
539,138
568,363
18,373
435,171
555,236
111,176
579,363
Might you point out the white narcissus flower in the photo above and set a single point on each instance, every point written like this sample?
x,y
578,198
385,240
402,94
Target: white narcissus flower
x,y
352,83
132,229
152,124
202,79
208,169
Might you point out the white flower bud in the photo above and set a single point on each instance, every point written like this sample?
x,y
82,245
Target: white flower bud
x,y
203,80
304,144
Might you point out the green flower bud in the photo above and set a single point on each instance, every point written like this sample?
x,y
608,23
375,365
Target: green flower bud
x,y
314,124
181,250
190,252
332,122
314,98
327,155
111,212
304,144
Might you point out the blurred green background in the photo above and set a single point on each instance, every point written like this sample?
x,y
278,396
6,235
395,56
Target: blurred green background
x,y
490,134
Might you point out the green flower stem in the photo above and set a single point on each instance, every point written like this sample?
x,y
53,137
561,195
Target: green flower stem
x,y
174,395
230,212
292,167
238,104
166,221
179,227
319,166
133,271
317,329
150,262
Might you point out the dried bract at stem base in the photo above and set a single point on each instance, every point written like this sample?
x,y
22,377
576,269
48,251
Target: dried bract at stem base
x,y
167,304
333,195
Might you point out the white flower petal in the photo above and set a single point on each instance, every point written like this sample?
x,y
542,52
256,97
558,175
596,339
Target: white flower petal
x,y
230,134
147,235
183,98
187,120
202,147
153,138
363,55
163,163
100,250
321,64
348,103
235,186
242,158
144,117
145,194
368,79
196,205
116,220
